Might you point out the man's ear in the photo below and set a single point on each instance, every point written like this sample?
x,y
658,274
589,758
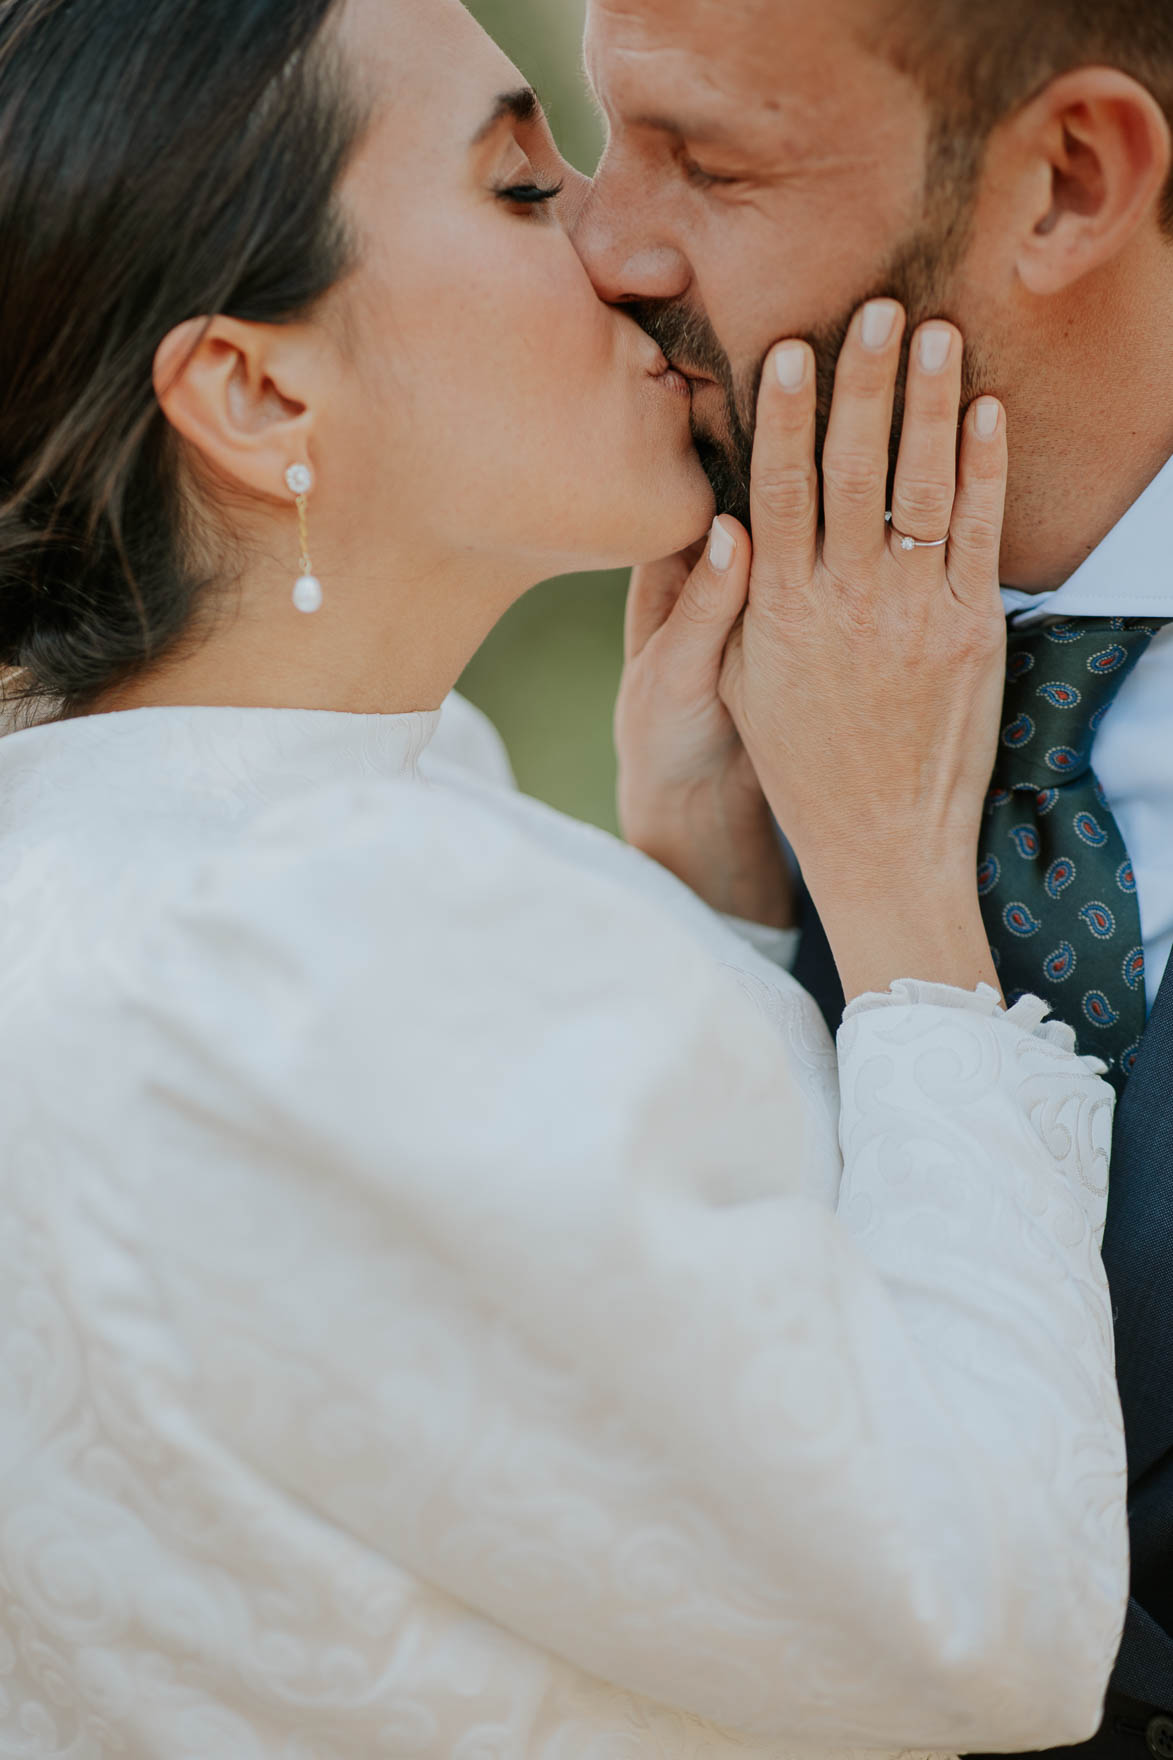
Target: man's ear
x,y
1096,150
238,393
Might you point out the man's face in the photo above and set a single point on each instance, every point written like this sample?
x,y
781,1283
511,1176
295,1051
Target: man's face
x,y
765,173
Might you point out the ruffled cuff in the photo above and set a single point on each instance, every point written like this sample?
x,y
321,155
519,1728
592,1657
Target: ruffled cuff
x,y
1029,1014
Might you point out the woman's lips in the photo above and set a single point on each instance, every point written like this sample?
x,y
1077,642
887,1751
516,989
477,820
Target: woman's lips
x,y
676,382
669,377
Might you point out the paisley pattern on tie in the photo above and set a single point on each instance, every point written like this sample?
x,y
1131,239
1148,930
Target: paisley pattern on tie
x,y
1057,888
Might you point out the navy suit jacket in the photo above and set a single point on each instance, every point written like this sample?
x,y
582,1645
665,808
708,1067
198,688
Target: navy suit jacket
x,y
1138,1252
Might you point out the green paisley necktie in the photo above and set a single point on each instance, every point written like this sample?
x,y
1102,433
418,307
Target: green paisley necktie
x,y
1057,888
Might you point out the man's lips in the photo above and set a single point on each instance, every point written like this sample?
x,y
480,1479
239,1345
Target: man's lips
x,y
698,381
665,374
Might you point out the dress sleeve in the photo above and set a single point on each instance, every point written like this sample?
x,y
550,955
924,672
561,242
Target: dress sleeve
x,y
486,1233
779,946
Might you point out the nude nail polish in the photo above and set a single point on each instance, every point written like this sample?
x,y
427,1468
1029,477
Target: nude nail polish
x,y
932,347
877,323
986,418
790,365
722,548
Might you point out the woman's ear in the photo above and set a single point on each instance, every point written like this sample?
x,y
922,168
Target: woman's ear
x,y
1096,150
238,393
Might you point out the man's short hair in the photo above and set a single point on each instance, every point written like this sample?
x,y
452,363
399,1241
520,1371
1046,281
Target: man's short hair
x,y
979,60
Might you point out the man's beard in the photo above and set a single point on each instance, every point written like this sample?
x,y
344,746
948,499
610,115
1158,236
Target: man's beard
x,y
920,276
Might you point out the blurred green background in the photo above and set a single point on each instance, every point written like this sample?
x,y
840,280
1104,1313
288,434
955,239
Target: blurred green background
x,y
547,676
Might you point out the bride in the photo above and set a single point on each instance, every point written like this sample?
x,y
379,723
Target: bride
x,y
454,1298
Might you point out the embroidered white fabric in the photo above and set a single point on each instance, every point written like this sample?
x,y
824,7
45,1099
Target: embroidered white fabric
x,y
438,1319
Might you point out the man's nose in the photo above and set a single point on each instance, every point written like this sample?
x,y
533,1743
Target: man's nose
x,y
625,253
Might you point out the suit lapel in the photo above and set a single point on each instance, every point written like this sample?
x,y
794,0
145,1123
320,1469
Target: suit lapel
x,y
1138,1245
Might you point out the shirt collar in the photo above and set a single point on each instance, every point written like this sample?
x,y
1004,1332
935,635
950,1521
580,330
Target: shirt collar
x,y
1129,575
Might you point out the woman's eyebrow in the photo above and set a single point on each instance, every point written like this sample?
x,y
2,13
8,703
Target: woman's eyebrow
x,y
523,105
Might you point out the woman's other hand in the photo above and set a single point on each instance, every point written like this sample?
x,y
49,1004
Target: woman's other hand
x,y
866,678
688,796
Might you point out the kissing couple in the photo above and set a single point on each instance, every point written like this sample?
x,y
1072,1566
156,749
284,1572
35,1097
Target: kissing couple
x,y
457,1298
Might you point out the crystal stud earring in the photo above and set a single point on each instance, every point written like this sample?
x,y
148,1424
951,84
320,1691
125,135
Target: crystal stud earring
x,y
307,588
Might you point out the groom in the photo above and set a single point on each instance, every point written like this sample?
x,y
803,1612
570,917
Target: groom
x,y
1009,165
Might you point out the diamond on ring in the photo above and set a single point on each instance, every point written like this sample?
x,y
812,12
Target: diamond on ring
x,y
907,543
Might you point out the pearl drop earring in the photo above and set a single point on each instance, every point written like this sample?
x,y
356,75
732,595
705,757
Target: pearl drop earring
x,y
307,589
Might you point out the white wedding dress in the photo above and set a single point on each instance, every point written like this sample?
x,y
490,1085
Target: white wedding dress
x,y
436,1319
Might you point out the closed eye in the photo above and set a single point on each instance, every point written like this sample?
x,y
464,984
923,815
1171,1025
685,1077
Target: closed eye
x,y
702,179
530,195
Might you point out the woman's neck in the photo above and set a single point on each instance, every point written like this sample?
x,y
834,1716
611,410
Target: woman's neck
x,y
378,646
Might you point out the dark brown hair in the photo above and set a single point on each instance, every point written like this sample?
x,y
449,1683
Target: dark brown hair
x,y
158,162
980,60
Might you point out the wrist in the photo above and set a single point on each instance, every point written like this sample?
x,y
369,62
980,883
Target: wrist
x,y
724,848
936,867
925,925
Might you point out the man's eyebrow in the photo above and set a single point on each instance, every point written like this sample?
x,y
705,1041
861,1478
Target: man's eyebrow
x,y
523,105
684,128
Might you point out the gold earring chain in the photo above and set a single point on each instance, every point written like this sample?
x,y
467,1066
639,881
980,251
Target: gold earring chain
x,y
303,533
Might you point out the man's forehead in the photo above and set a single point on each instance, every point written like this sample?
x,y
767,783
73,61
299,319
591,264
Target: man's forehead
x,y
690,14
762,48
741,25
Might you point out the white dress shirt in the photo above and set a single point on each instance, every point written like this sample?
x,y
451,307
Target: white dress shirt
x,y
1131,575
438,1321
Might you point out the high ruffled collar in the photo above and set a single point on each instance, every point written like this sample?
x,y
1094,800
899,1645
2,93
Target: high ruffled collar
x,y
222,752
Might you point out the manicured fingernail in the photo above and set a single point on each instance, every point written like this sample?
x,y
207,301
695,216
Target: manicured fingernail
x,y
932,346
878,323
985,417
722,547
790,366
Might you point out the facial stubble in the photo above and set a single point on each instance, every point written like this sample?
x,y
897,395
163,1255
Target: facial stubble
x,y
922,276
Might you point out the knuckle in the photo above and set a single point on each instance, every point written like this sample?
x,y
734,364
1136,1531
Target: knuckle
x,y
863,374
934,403
789,412
975,529
986,467
851,475
859,618
991,633
699,605
786,485
923,499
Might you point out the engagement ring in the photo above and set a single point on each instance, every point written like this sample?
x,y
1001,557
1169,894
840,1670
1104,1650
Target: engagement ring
x,y
907,543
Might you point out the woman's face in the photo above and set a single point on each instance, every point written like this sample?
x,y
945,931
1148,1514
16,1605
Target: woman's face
x,y
489,402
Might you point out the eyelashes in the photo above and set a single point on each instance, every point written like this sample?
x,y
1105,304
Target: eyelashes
x,y
530,195
702,179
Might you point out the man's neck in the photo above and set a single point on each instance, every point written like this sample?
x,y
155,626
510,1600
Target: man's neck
x,y
1091,426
